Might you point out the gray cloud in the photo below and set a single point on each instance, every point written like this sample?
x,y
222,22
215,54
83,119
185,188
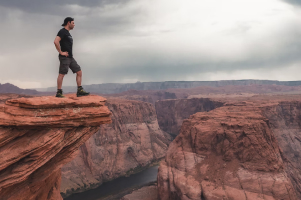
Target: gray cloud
x,y
159,68
56,7
293,2
147,65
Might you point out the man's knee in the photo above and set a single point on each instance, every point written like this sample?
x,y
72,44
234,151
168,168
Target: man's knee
x,y
61,75
79,73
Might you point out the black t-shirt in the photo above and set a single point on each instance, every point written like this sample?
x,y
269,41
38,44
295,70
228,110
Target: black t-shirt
x,y
66,41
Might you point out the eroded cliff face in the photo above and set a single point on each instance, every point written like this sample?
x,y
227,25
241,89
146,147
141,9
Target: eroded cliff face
x,y
231,153
171,113
285,122
38,136
132,141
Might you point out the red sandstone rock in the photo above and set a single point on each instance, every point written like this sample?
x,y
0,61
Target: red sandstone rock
x,y
228,153
38,136
5,97
133,140
54,112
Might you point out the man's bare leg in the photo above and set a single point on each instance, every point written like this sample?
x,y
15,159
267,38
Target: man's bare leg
x,y
60,81
80,89
59,92
79,75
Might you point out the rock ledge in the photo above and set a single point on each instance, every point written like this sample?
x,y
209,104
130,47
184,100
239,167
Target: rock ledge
x,y
38,136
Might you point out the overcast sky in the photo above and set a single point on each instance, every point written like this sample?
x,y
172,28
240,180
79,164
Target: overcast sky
x,y
152,40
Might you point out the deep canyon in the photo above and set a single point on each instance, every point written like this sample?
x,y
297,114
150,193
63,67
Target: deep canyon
x,y
214,146
131,142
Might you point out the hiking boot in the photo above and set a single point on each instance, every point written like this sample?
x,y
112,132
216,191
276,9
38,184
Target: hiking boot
x,y
59,94
82,92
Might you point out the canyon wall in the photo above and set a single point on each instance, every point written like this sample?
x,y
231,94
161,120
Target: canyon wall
x,y
285,122
132,142
243,150
38,136
171,113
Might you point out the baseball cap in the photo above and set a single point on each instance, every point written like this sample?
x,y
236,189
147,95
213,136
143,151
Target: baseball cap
x,y
67,19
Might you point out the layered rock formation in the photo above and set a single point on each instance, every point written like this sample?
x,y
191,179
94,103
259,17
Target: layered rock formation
x,y
171,113
131,142
5,97
229,153
38,136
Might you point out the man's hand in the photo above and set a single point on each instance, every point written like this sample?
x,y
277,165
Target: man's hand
x,y
58,48
64,54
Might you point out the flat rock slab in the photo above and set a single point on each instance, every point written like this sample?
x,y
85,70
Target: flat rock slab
x,y
53,102
50,111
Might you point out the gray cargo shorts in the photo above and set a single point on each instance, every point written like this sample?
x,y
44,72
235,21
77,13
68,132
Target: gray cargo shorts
x,y
66,63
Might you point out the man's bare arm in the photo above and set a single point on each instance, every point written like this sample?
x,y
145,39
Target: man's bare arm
x,y
58,48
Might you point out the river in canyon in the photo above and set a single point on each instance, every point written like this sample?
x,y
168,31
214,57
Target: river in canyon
x,y
117,186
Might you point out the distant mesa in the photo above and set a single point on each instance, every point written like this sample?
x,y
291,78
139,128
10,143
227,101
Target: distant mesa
x,y
10,88
112,88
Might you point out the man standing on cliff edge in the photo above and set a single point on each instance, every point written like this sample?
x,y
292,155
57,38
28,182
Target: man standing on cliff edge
x,y
63,43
